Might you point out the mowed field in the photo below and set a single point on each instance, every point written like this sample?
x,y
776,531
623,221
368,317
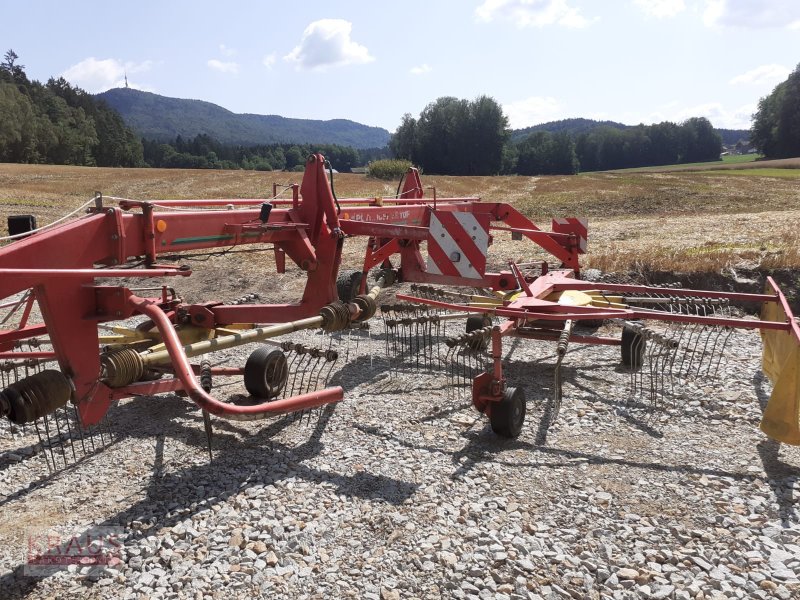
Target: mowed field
x,y
682,220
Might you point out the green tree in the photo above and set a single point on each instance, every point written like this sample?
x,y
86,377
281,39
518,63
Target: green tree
x,y
776,125
401,143
545,153
455,137
700,142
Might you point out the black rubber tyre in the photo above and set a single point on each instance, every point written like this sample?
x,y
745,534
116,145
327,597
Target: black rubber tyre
x,y
475,322
348,284
265,372
508,415
633,347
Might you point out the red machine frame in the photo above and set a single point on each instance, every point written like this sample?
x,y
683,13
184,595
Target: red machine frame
x,y
60,267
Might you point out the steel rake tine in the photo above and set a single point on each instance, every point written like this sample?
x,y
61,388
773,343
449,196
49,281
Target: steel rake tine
x,y
79,427
452,368
49,439
60,437
314,376
69,433
637,383
712,353
44,449
296,371
306,363
655,387
721,353
707,333
327,378
409,345
687,351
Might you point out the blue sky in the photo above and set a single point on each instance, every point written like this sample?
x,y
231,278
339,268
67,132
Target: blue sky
x,y
626,60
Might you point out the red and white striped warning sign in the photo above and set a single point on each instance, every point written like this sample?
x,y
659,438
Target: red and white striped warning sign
x,y
579,227
457,244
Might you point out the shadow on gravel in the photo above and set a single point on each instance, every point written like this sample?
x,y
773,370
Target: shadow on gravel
x,y
239,463
781,476
484,446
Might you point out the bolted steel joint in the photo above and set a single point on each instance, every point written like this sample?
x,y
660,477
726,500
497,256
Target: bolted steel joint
x,y
335,316
367,307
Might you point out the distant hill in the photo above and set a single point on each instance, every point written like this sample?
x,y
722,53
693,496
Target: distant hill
x,y
578,126
162,118
570,126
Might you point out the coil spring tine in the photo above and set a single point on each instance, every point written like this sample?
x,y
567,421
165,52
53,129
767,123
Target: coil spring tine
x,y
467,369
669,359
706,335
47,437
69,432
106,422
721,353
690,329
293,373
409,346
42,445
705,360
450,366
652,360
317,372
306,362
639,373
430,344
60,437
293,368
698,335
79,427
681,348
438,345
332,364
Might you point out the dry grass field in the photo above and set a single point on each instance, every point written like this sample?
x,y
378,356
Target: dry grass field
x,y
640,221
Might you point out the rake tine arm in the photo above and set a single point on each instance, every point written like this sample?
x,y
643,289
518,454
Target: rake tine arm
x,y
183,370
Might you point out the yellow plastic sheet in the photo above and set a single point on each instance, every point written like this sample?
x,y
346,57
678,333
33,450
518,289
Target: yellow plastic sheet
x,y
781,362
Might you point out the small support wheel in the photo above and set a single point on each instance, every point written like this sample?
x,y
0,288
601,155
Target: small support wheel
x,y
265,372
508,415
633,347
348,284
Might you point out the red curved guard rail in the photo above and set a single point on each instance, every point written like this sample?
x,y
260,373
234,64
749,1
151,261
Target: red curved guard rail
x,y
184,372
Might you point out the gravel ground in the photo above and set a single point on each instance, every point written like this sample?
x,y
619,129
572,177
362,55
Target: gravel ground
x,y
403,491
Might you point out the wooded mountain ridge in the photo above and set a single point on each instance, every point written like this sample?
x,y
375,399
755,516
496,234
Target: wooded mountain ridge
x,y
162,118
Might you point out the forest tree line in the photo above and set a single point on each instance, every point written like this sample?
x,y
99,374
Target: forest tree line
x,y
57,123
458,137
204,152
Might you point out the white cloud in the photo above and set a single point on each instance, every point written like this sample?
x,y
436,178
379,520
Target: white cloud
x,y
752,15
532,111
223,66
421,69
327,43
227,51
661,8
269,60
763,75
532,13
95,75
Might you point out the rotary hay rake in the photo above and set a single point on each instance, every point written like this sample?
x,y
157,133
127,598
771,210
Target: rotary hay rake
x,y
63,372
